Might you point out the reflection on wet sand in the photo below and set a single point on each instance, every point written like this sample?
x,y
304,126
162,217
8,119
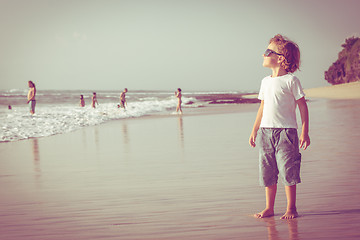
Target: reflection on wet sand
x,y
293,229
125,133
126,140
96,137
273,233
181,132
36,156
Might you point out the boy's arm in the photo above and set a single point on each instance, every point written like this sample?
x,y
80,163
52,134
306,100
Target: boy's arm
x,y
256,126
304,139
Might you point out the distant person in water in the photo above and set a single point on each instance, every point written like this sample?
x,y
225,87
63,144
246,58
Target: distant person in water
x,y
178,95
9,107
82,101
123,98
94,100
31,97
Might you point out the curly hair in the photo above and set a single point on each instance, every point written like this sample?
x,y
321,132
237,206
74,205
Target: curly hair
x,y
290,50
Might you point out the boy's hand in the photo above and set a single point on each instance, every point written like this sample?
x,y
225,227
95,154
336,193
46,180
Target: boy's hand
x,y
304,141
252,140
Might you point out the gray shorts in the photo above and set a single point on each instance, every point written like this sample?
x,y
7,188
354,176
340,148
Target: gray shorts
x,y
279,155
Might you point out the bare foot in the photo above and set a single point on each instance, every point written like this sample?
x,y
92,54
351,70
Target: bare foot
x,y
290,214
265,213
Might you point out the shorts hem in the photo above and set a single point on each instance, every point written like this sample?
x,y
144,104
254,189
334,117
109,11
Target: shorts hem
x,y
285,184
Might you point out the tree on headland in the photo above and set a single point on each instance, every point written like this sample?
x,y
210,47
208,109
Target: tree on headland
x,y
347,67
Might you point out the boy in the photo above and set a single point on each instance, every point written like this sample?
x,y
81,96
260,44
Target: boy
x,y
276,118
31,96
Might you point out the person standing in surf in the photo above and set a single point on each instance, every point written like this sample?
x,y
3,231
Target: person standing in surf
x,y
178,95
82,101
94,100
31,97
123,99
279,154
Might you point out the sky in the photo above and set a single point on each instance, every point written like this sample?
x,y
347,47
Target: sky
x,y
196,45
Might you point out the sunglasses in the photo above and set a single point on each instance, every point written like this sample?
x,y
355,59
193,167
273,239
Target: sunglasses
x,y
269,51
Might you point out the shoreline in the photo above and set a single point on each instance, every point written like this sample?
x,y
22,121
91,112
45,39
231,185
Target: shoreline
x,y
228,103
213,109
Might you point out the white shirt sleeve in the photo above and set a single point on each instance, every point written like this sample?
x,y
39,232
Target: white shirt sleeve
x,y
297,89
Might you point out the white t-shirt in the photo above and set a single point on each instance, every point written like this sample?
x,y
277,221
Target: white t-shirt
x,y
280,95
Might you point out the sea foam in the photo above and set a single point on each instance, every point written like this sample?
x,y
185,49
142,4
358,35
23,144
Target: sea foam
x,y
18,124
57,111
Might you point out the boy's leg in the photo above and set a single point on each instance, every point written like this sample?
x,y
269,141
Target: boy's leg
x,y
268,170
289,161
270,193
291,202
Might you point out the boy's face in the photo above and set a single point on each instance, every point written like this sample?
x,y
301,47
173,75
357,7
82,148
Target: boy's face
x,y
273,60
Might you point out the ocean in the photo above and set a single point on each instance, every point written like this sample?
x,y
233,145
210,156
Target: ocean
x,y
58,111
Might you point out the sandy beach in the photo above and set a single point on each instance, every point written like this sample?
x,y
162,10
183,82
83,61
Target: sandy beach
x,y
179,177
341,91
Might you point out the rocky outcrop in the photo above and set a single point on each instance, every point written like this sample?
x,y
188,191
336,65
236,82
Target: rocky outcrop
x,y
347,68
230,98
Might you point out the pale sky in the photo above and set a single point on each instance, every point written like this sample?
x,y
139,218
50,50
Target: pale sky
x,y
165,44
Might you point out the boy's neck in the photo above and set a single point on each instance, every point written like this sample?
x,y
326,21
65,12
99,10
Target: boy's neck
x,y
278,72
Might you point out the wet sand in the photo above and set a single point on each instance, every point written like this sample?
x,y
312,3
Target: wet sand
x,y
179,177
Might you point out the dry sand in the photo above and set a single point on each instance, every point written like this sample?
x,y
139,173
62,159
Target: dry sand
x,y
178,177
342,91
